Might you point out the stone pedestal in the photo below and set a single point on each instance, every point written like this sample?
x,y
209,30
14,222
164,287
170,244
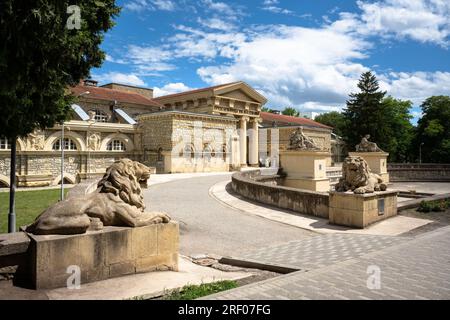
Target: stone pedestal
x,y
305,169
377,162
99,255
361,210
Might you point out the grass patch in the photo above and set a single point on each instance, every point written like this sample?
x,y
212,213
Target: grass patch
x,y
29,204
191,292
435,206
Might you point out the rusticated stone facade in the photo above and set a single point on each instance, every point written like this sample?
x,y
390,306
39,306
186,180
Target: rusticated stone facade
x,y
177,141
38,164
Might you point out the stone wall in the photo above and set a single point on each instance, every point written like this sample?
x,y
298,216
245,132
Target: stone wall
x,y
321,137
44,168
419,172
249,184
185,142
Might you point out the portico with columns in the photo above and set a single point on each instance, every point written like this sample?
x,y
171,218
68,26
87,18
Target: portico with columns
x,y
237,100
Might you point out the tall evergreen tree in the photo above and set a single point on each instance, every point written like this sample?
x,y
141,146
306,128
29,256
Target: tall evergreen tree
x,y
366,114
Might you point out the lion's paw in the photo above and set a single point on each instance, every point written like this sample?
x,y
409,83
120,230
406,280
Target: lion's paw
x,y
360,190
164,217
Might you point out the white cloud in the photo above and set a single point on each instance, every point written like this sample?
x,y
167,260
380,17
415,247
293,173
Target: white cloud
x,y
136,5
420,20
170,88
166,5
151,5
194,43
216,23
114,60
294,65
416,86
143,55
276,9
270,2
118,77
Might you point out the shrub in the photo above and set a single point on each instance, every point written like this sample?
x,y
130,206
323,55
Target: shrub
x,y
435,206
424,206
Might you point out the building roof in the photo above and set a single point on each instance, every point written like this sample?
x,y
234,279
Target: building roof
x,y
101,93
281,119
218,90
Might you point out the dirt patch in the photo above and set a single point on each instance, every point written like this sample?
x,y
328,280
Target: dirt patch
x,y
440,219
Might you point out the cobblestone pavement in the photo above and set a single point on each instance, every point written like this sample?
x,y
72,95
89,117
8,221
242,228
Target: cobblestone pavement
x,y
414,269
319,251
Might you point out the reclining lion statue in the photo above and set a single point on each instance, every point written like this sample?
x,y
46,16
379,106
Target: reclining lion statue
x,y
356,177
117,201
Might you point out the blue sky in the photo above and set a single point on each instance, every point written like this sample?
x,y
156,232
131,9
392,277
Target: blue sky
x,y
302,53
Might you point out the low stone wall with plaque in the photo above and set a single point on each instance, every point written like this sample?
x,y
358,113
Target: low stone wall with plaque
x,y
99,255
361,210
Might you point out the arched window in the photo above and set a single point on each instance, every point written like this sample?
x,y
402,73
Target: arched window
x,y
68,144
160,155
4,144
100,116
208,152
188,152
224,152
116,145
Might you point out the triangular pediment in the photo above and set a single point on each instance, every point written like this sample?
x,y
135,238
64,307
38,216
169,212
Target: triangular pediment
x,y
240,95
240,91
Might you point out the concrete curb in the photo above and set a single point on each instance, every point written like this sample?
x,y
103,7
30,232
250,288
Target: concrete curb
x,y
254,264
391,227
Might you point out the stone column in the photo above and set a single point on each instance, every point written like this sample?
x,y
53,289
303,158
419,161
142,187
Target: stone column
x,y
243,140
253,144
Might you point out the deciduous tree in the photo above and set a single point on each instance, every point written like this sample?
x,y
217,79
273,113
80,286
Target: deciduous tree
x,y
45,47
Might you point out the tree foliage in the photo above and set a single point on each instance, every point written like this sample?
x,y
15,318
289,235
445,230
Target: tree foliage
x,y
333,119
365,113
401,131
40,57
289,111
433,130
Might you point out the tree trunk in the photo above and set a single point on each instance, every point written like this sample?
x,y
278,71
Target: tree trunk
x,y
12,189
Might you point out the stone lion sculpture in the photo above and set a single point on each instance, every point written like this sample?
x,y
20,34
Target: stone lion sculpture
x,y
117,201
356,177
366,146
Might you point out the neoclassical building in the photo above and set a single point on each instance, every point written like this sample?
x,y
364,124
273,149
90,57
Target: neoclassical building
x,y
210,129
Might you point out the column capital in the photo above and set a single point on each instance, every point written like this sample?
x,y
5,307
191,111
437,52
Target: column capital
x,y
245,118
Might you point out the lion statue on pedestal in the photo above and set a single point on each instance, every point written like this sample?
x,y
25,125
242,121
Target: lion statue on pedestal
x,y
118,201
356,177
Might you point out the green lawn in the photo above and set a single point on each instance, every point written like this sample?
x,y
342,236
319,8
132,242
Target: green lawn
x,y
29,204
191,292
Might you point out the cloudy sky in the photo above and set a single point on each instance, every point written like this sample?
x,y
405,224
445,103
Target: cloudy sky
x,y
302,53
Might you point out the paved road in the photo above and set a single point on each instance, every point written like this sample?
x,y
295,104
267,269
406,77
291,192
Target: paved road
x,y
206,226
411,269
